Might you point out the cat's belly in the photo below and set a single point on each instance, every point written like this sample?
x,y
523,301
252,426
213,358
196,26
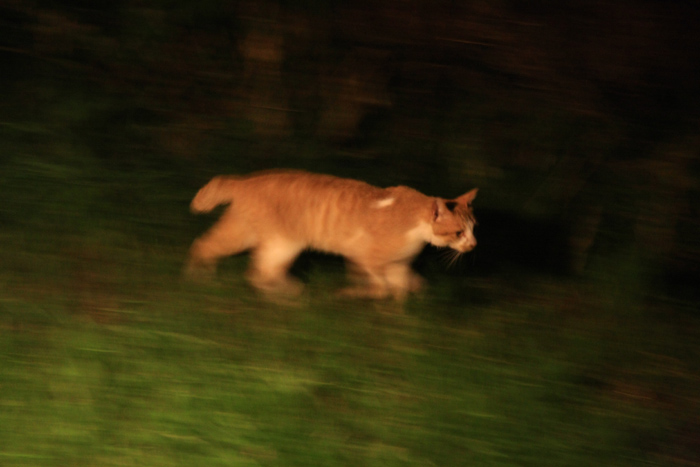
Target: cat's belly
x,y
345,245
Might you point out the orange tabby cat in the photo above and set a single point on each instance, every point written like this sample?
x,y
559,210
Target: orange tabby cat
x,y
279,214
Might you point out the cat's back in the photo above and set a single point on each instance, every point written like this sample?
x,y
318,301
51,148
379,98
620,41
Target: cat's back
x,y
294,190
318,208
297,186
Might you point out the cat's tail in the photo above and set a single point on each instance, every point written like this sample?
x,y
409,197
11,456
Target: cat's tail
x,y
218,191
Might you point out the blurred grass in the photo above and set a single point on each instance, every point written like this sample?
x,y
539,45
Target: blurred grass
x,y
109,359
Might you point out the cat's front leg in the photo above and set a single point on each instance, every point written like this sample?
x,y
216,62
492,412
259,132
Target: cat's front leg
x,y
416,282
370,282
402,279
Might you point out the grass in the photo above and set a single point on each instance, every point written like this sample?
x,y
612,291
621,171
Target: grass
x,y
109,359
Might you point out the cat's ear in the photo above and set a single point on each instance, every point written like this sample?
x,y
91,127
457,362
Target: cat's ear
x,y
438,209
467,198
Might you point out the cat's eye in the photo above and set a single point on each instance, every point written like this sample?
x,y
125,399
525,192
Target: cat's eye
x,y
459,233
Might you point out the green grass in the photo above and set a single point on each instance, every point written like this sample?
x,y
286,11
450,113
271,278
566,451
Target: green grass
x,y
107,358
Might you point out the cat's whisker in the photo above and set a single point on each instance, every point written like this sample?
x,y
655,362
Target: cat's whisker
x,y
446,255
450,257
456,257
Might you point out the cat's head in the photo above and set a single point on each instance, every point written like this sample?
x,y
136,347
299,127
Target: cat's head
x,y
453,223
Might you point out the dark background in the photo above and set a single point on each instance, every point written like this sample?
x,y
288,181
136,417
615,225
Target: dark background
x,y
578,120
567,337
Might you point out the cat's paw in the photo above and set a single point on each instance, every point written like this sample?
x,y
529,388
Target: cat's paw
x,y
288,286
199,272
291,287
374,293
415,283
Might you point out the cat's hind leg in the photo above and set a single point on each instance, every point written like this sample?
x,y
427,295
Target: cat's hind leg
x,y
270,262
223,239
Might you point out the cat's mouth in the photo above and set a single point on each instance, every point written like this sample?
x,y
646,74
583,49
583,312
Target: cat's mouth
x,y
465,245
453,253
466,248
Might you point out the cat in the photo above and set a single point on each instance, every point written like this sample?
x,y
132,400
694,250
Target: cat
x,y
279,214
